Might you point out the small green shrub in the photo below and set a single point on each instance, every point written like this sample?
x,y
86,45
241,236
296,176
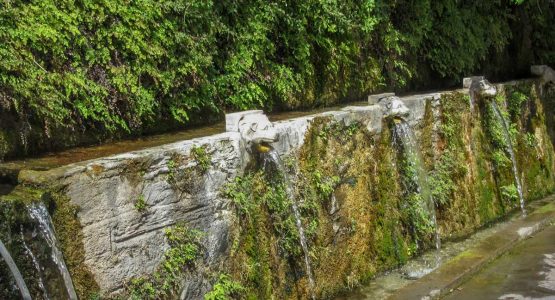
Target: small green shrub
x,y
501,159
515,101
172,168
140,204
509,193
225,289
531,140
184,250
325,185
202,157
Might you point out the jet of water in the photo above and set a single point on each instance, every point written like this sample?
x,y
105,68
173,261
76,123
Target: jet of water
x,y
37,266
15,272
40,214
272,157
511,154
405,143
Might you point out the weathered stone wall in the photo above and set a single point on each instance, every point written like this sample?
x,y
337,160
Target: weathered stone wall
x,y
126,201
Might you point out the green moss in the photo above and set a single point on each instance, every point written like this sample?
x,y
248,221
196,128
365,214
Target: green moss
x,y
70,235
426,138
546,209
358,221
254,257
4,145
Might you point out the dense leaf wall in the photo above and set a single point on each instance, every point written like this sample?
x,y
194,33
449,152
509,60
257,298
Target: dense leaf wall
x,y
84,71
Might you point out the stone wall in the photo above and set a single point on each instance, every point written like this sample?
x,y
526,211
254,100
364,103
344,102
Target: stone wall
x,y
125,202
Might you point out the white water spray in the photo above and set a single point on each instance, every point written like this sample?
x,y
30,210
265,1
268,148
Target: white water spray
x,y
273,157
511,154
15,272
40,214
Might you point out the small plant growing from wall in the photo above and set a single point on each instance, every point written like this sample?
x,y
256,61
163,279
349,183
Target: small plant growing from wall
x,y
171,170
515,101
509,192
140,204
185,249
531,140
202,157
225,288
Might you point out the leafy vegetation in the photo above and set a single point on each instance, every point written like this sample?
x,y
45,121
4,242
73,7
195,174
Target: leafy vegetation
x,y
104,69
509,193
202,157
257,193
224,289
140,204
185,249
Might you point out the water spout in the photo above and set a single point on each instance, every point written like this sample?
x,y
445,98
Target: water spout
x,y
15,272
414,181
478,86
39,213
37,266
510,149
272,157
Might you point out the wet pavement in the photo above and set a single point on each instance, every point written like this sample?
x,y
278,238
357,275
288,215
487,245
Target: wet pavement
x,y
435,273
387,284
525,272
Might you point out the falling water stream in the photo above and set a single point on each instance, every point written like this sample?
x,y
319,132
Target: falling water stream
x,y
273,157
15,272
415,183
37,266
511,154
39,213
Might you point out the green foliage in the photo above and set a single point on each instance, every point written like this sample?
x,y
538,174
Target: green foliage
x,y
202,157
531,140
172,169
257,192
515,101
509,193
225,289
442,177
239,193
140,204
495,129
324,185
117,67
184,250
501,159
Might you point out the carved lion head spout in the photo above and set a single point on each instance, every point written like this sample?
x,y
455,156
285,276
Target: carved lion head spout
x,y
393,107
255,128
546,73
479,85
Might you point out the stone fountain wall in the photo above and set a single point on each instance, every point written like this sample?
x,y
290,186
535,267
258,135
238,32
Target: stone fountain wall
x,y
172,184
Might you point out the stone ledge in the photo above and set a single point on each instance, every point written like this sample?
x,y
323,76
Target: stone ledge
x,y
463,266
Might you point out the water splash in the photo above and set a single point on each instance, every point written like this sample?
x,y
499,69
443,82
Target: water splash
x,y
511,154
39,213
272,157
414,182
15,272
